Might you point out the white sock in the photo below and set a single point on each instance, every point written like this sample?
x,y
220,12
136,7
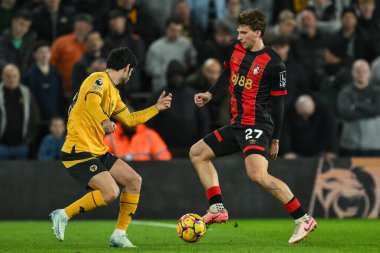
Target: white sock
x,y
119,232
216,207
306,217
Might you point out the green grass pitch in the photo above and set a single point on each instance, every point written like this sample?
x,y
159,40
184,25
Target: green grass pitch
x,y
160,236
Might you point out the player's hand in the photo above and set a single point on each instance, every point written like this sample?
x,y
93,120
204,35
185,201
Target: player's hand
x,y
108,126
274,147
164,101
200,99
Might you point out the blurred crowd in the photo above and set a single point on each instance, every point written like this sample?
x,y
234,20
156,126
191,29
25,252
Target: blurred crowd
x,y
48,47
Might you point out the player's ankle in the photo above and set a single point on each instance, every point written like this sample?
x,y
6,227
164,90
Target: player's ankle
x,y
304,218
119,232
217,207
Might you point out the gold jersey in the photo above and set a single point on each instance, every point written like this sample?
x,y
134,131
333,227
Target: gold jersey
x,y
97,100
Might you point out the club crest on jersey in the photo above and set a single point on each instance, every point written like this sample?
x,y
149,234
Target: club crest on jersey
x,y
99,82
256,69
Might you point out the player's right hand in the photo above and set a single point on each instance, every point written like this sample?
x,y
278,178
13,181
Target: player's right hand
x,y
200,99
108,126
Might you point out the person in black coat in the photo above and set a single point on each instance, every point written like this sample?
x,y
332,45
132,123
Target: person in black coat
x,y
309,129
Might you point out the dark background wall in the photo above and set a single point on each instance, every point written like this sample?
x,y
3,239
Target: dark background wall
x,y
31,190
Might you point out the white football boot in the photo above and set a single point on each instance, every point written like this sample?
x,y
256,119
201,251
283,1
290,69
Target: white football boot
x,y
119,239
59,219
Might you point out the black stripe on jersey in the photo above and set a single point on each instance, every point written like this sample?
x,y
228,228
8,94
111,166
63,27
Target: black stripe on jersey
x,y
95,92
119,111
76,156
238,90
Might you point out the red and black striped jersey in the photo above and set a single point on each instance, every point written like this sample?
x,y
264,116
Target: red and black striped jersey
x,y
255,76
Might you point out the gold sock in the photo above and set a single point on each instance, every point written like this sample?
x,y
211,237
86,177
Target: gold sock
x,y
88,202
128,206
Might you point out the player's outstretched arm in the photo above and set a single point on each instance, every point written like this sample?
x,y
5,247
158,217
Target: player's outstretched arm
x,y
200,99
139,117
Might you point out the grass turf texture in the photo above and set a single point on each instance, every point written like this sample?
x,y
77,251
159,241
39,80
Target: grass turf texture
x,y
235,236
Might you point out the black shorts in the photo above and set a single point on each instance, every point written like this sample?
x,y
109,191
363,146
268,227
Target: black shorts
x,y
92,165
234,138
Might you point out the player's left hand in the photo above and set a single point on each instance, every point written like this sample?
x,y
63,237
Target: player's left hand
x,y
274,147
164,101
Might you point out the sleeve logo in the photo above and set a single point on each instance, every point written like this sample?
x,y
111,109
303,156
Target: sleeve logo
x,y
283,79
99,82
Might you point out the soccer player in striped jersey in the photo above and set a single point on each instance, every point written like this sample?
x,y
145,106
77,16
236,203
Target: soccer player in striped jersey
x,y
256,77
86,157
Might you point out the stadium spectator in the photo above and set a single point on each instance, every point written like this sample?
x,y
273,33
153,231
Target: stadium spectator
x,y
375,70
50,148
173,46
348,45
359,108
17,42
234,9
309,129
216,47
191,30
91,60
327,15
184,123
309,47
204,13
296,79
285,28
70,48
52,19
45,83
157,12
202,80
267,7
7,10
120,36
138,143
18,116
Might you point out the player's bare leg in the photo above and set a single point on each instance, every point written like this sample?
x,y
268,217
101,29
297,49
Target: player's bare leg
x,y
129,198
257,170
201,155
105,190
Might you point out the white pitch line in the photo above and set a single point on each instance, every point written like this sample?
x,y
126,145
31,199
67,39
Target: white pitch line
x,y
153,224
156,224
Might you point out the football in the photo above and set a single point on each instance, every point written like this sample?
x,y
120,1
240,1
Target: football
x,y
191,227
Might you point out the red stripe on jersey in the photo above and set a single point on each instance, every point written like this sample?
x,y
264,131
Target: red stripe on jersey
x,y
255,73
235,61
253,147
278,92
218,136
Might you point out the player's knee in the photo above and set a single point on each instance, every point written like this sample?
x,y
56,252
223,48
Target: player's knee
x,y
109,195
195,153
256,176
135,183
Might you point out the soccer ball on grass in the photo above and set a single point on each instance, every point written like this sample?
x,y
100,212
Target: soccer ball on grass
x,y
191,227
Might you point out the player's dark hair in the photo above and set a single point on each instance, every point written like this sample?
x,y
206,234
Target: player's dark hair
x,y
23,14
39,44
173,20
120,58
253,18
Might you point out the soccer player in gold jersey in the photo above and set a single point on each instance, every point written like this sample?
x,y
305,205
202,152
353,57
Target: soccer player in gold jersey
x,y
86,157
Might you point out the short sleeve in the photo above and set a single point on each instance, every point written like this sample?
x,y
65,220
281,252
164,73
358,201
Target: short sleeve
x,y
277,80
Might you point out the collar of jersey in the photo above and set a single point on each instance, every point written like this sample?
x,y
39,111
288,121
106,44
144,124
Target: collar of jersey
x,y
114,85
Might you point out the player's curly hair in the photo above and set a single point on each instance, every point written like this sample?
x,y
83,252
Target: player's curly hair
x,y
119,58
253,18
